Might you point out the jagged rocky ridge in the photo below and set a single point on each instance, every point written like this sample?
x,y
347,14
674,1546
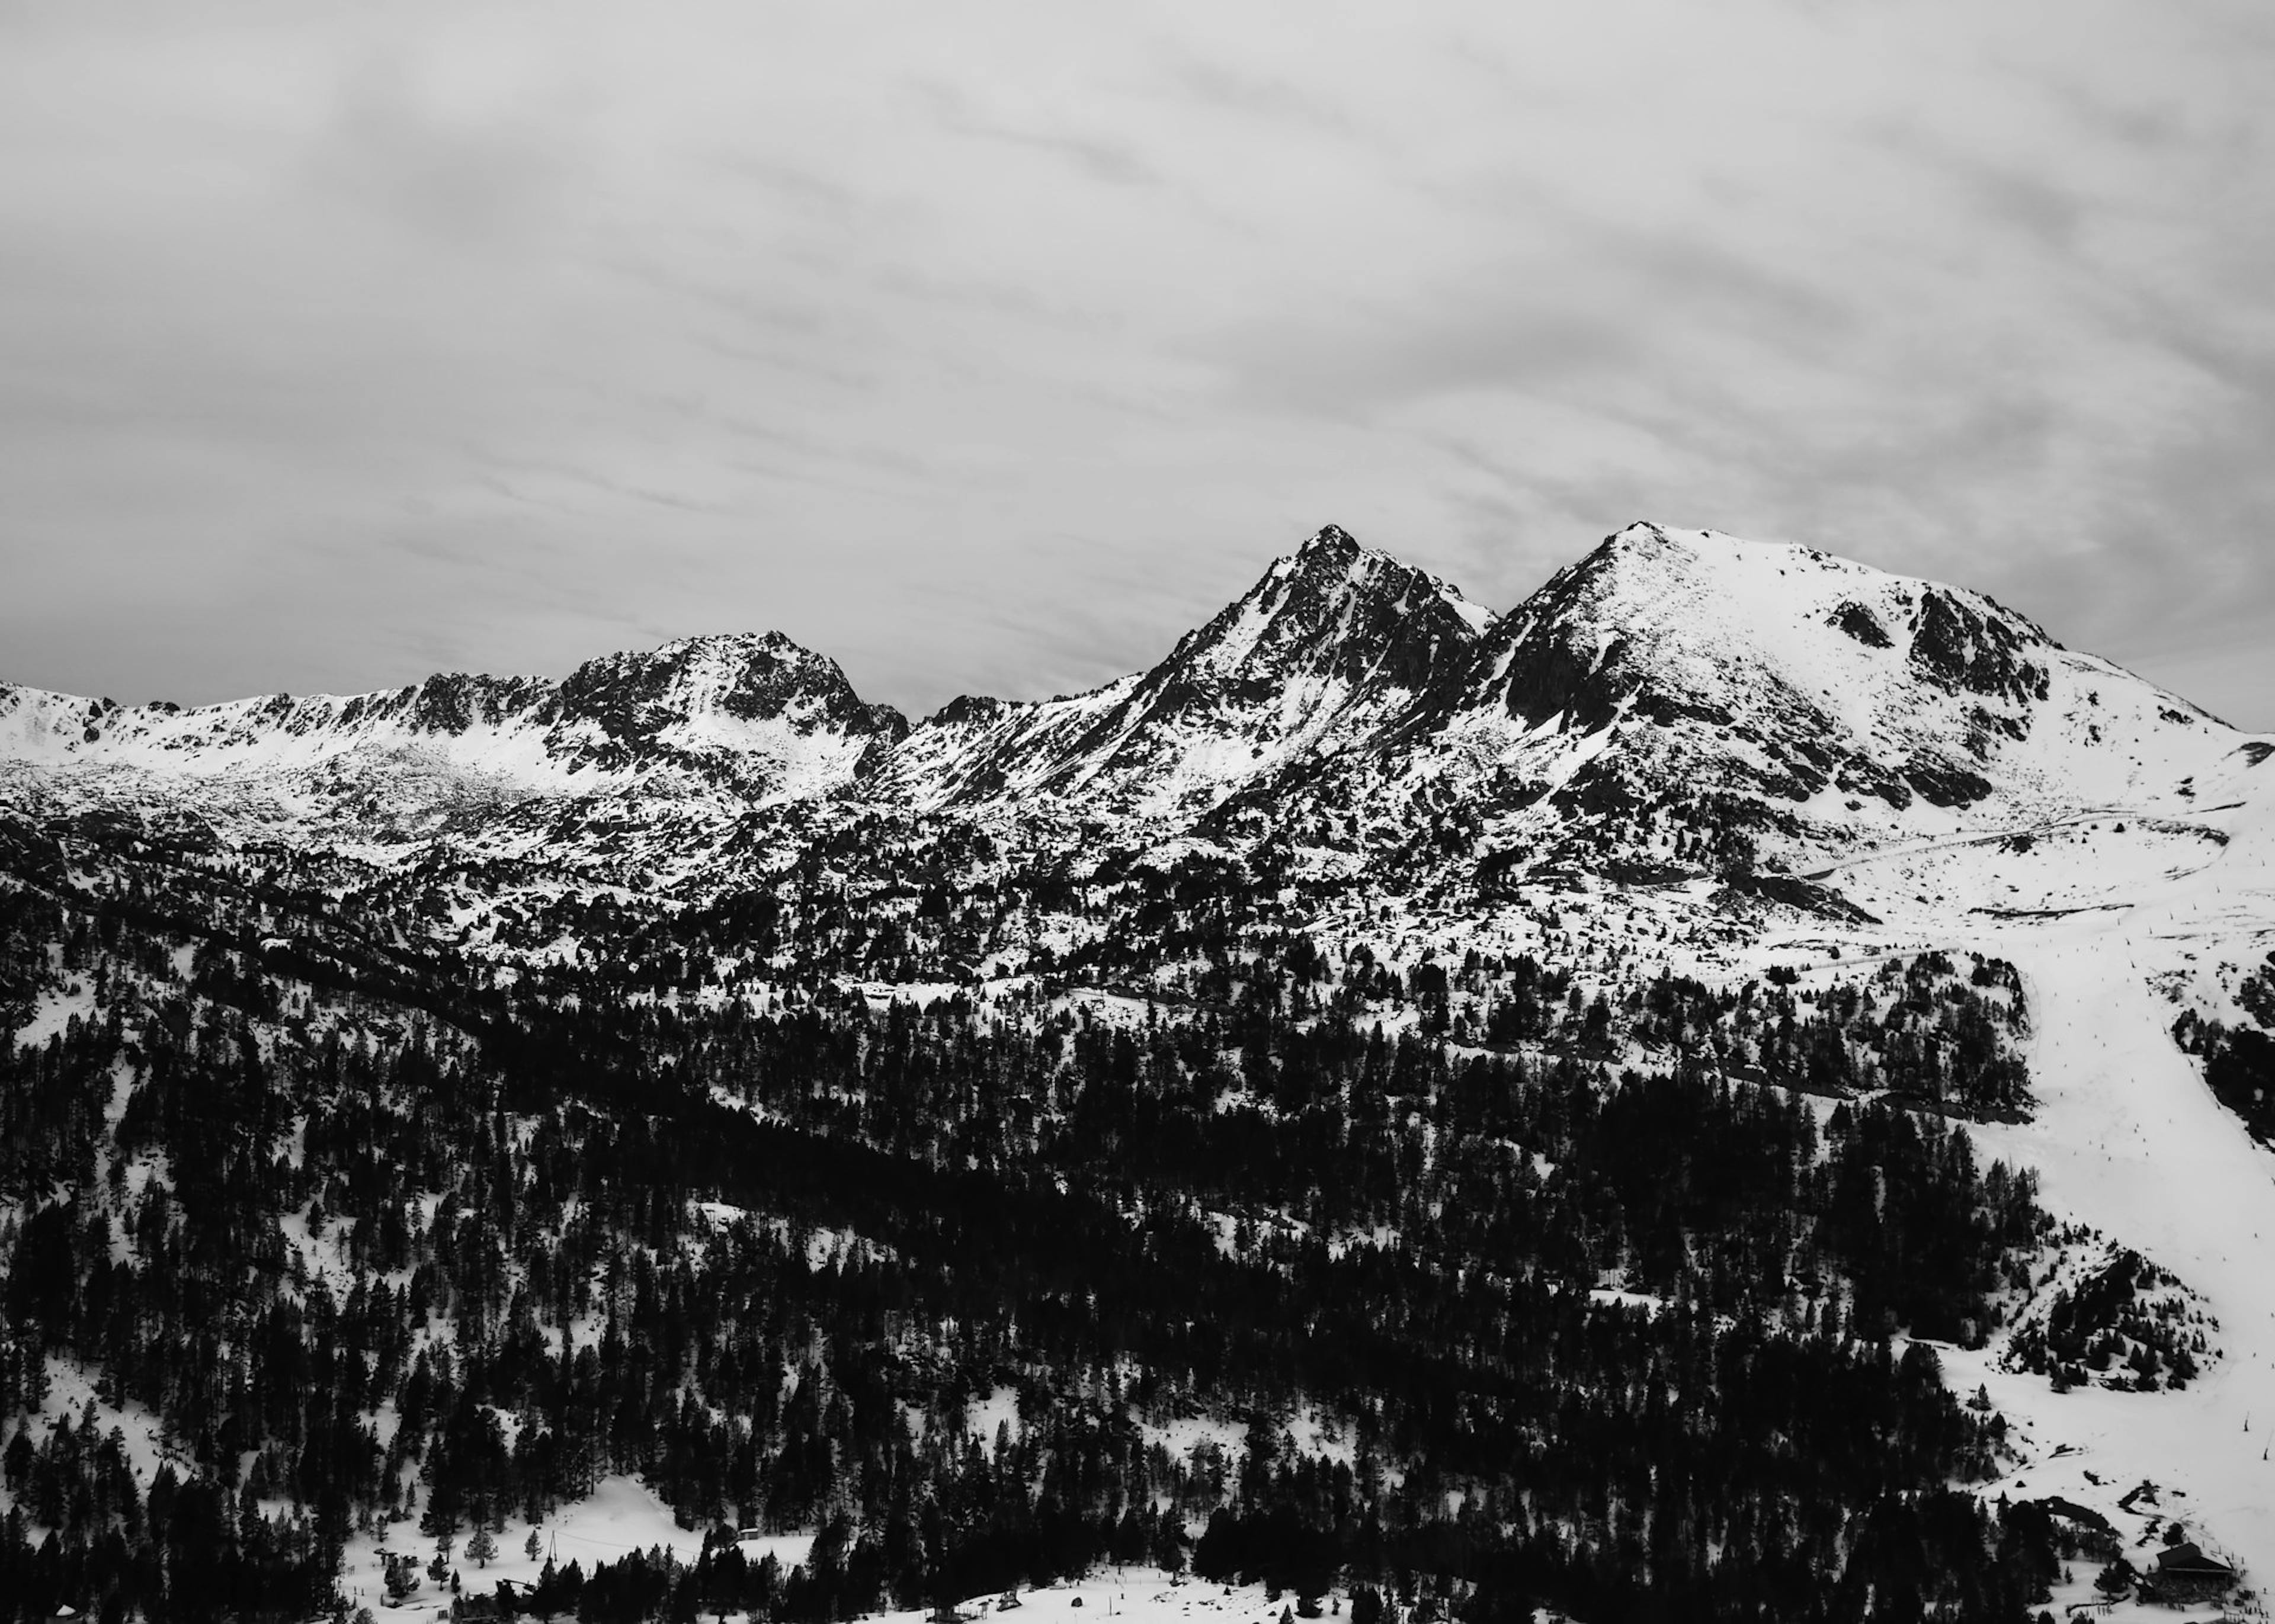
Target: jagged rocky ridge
x,y
1785,708
756,717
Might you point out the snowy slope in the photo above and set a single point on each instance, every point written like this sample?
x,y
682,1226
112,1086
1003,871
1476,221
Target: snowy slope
x,y
2130,1141
1833,674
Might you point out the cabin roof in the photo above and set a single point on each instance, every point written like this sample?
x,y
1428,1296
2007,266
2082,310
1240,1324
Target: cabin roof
x,y
2185,1558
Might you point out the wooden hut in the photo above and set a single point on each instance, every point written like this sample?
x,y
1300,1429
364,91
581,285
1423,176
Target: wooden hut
x,y
2184,1573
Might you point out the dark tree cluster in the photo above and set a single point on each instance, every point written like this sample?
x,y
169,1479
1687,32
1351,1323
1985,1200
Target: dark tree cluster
x,y
2125,1324
1923,1030
2239,1061
381,1237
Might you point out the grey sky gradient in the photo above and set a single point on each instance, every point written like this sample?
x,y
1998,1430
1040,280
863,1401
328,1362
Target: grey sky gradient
x,y
987,347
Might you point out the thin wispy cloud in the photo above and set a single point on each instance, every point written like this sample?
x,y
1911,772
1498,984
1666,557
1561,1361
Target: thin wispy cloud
x,y
988,350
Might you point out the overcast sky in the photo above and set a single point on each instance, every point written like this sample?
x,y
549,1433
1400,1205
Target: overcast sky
x,y
987,348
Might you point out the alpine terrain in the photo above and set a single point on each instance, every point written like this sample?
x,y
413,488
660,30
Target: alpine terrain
x,y
1741,1087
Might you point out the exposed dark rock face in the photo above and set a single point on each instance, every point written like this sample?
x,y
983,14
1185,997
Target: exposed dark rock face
x,y
1547,675
1551,657
1962,647
1804,895
1944,785
968,709
1861,623
631,696
449,703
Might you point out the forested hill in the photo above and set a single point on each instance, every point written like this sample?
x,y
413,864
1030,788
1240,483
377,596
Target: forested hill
x,y
368,1238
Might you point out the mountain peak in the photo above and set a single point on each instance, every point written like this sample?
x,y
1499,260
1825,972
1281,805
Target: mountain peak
x,y
1329,538
1335,609
750,676
1332,564
1810,699
1330,546
1648,547
1333,641
1697,620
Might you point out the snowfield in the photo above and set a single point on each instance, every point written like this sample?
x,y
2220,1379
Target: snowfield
x,y
621,1515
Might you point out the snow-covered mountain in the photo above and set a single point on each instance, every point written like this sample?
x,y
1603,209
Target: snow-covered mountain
x,y
1816,681
1793,704
1332,644
1765,699
750,720
1676,703
1687,757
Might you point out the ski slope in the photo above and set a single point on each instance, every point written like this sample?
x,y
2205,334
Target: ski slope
x,y
2127,1138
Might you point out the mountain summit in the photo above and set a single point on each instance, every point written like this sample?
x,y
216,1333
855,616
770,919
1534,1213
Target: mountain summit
x,y
1334,641
751,716
1798,702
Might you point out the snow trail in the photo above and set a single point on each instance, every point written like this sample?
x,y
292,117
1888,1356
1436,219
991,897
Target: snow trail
x,y
2129,1139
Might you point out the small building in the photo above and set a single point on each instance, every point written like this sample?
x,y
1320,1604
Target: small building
x,y
2185,1574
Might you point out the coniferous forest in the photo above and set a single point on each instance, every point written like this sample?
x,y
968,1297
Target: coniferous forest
x,y
1496,1284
